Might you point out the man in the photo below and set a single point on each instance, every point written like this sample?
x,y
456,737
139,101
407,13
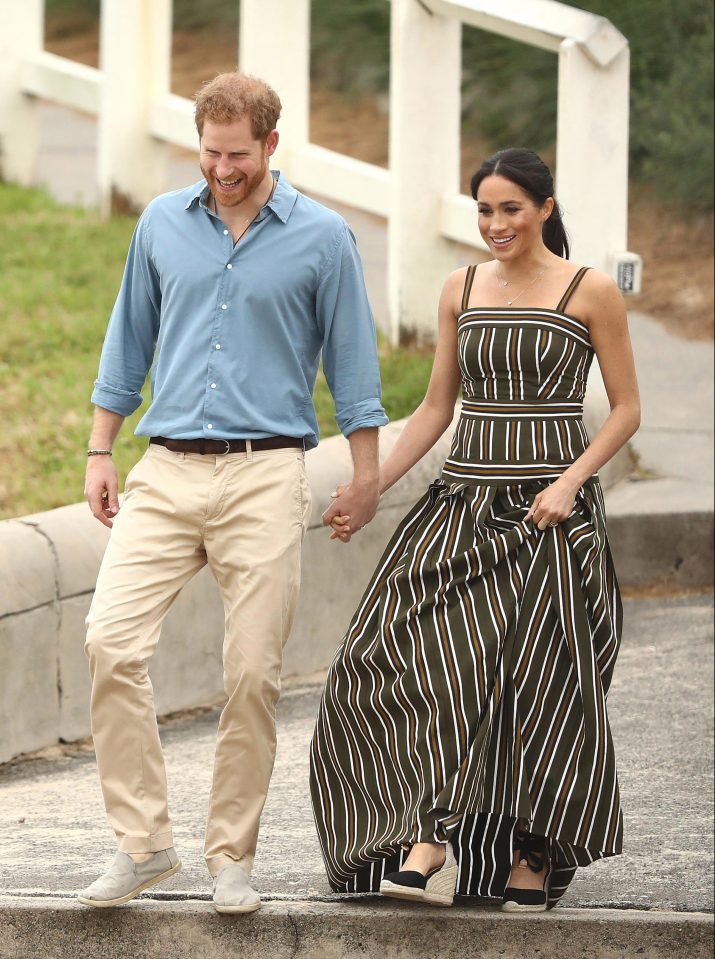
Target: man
x,y
232,287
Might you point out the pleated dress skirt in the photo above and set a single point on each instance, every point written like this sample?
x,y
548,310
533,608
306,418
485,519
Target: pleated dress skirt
x,y
470,688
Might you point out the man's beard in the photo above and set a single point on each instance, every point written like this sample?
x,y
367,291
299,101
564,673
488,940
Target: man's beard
x,y
248,187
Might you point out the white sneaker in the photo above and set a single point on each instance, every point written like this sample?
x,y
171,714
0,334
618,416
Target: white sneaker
x,y
125,878
232,891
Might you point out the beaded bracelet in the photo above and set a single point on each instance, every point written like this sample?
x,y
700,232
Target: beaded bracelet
x,y
99,452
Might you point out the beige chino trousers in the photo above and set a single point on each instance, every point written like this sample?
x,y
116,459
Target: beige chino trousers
x,y
245,515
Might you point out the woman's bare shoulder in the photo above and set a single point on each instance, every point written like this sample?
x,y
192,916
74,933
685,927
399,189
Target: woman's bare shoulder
x,y
598,299
453,288
456,279
599,283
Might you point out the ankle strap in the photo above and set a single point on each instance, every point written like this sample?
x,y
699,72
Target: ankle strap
x,y
531,849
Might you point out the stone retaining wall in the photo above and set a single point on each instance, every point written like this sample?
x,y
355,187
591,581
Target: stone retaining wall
x,y
48,567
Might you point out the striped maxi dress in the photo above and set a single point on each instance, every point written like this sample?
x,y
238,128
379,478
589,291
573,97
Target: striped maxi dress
x,y
470,688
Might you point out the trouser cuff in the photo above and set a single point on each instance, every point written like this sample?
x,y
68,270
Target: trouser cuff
x,y
140,844
216,863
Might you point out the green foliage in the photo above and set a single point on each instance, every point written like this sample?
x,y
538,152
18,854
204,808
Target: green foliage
x,y
61,270
61,267
508,92
671,142
213,14
509,89
350,45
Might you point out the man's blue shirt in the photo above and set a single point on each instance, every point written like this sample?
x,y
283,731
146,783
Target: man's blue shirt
x,y
234,333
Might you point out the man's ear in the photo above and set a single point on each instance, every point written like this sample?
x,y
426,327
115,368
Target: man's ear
x,y
271,143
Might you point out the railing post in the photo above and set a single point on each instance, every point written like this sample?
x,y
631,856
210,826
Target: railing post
x,y
425,75
135,53
592,154
21,38
274,44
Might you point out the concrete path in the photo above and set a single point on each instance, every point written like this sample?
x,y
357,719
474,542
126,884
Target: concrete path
x,y
54,838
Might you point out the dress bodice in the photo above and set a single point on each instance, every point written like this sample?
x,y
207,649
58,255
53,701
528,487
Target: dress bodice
x,y
524,374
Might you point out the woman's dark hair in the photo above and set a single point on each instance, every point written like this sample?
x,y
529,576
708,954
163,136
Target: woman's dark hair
x,y
527,170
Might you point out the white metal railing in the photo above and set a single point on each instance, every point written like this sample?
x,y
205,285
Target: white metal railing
x,y
139,116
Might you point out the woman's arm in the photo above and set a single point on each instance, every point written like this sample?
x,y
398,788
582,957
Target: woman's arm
x,y
605,312
435,412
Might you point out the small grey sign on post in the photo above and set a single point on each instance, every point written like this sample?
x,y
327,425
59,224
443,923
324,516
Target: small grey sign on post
x,y
627,270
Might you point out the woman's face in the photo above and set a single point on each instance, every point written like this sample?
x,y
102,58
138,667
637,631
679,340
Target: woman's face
x,y
510,222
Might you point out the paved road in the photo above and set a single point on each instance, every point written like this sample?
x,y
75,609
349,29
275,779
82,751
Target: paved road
x,y
53,835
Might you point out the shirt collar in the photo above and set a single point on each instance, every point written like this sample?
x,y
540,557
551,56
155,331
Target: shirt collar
x,y
281,203
284,197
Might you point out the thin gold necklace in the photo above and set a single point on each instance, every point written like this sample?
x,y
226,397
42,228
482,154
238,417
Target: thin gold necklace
x,y
503,283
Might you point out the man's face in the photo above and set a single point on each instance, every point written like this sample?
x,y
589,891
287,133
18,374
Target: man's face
x,y
232,161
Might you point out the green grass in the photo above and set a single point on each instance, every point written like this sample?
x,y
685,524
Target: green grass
x,y
61,267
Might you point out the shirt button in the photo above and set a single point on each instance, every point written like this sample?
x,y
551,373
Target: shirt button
x,y
213,386
229,266
224,306
209,426
218,346
225,232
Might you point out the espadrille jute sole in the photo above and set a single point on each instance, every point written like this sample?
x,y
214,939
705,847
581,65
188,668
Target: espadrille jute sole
x,y
510,906
439,890
393,891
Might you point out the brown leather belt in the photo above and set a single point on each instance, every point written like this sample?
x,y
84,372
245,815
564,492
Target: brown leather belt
x,y
221,447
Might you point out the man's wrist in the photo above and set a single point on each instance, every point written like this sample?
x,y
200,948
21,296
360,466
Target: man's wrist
x,y
366,481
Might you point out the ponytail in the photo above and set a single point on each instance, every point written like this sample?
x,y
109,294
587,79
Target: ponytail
x,y
554,233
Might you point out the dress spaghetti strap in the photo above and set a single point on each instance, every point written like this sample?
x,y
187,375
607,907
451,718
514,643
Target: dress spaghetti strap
x,y
471,270
571,289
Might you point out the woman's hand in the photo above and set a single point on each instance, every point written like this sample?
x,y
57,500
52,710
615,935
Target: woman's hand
x,y
341,528
553,504
340,524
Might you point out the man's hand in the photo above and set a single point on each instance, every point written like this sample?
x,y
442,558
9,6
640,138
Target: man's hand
x,y
101,488
354,505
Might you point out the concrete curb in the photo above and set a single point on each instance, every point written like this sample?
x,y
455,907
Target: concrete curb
x,y
48,568
315,929
661,533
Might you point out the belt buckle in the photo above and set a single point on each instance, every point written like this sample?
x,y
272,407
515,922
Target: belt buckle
x,y
227,450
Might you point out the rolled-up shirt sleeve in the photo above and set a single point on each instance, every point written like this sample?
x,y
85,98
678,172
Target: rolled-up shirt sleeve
x,y
349,344
129,344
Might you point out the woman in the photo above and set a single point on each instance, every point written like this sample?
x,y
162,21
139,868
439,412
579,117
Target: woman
x,y
465,710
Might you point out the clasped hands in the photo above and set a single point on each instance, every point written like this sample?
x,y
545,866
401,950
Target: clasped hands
x,y
353,506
